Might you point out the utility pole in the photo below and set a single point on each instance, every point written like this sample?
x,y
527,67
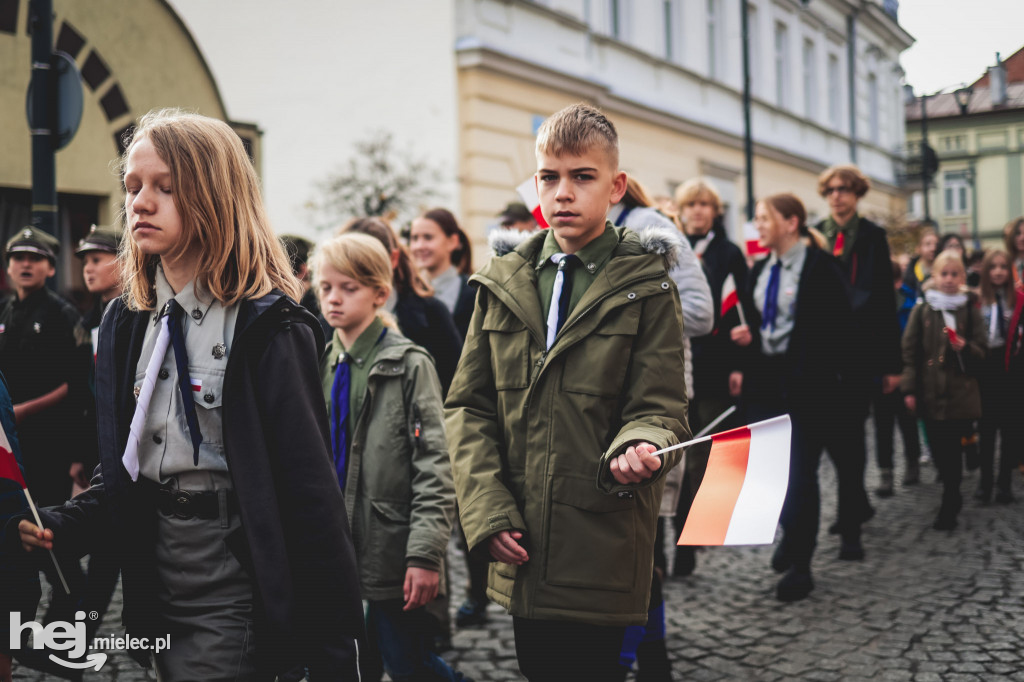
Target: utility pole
x,y
926,176
44,174
748,139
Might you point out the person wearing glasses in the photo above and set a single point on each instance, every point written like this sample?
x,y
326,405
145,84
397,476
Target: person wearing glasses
x,y
862,249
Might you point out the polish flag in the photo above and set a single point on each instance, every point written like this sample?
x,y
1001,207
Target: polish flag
x,y
729,297
753,240
745,484
9,468
528,193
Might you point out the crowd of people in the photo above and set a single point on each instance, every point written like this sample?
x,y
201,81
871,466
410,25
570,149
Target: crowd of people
x,y
281,436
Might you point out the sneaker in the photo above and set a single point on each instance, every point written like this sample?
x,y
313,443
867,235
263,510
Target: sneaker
x,y
471,613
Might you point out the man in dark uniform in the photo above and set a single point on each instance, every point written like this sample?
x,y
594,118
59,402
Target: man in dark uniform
x,y
862,248
39,356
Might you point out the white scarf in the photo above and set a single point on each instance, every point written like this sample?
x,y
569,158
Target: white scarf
x,y
946,304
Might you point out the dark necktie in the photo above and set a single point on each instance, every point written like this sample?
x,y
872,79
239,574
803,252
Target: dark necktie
x,y
175,312
771,297
339,416
566,266
999,316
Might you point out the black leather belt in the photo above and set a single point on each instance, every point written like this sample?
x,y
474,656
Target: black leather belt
x,y
201,504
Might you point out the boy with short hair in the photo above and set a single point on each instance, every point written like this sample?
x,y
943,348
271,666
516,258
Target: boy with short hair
x,y
553,425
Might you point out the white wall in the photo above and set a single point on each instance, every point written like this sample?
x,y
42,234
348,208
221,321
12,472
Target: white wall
x,y
318,75
634,66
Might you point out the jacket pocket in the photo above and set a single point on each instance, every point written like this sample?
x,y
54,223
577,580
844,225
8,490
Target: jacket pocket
x,y
510,348
386,540
597,366
591,537
208,395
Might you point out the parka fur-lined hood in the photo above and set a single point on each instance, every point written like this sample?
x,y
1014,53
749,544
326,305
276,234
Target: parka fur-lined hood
x,y
653,239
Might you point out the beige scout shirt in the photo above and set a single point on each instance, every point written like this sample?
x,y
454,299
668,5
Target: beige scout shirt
x,y
776,341
165,448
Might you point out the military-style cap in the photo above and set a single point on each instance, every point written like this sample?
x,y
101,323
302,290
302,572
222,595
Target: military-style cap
x,y
33,240
515,212
100,238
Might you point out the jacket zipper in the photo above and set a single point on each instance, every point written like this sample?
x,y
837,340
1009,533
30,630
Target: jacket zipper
x,y
539,365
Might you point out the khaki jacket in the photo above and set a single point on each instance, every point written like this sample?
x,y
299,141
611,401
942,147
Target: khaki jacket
x,y
945,385
532,431
398,490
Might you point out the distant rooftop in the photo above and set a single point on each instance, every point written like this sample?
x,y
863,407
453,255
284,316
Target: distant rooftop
x,y
945,105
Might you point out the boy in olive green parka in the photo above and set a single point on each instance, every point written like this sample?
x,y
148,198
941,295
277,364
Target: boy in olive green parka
x,y
552,425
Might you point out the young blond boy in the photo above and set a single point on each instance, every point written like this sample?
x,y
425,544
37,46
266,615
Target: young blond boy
x,y
571,378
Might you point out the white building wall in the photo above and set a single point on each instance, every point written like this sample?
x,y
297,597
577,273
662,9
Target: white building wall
x,y
573,37
319,75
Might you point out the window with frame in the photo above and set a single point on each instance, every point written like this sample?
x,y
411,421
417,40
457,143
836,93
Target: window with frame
x,y
874,131
714,38
781,63
835,85
810,79
955,193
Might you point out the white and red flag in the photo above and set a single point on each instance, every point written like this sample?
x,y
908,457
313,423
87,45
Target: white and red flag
x,y
528,193
10,470
730,298
752,240
741,496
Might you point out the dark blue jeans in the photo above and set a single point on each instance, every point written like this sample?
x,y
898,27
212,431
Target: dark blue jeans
x,y
403,642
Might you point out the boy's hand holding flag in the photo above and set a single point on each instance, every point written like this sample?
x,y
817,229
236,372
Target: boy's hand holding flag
x,y
741,497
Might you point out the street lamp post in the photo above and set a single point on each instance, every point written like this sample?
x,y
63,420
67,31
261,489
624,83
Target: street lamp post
x,y
748,140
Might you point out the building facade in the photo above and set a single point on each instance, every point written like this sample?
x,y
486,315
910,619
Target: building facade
x,y
466,83
133,57
979,142
826,89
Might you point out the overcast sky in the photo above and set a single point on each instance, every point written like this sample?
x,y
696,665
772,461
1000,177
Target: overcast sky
x,y
957,39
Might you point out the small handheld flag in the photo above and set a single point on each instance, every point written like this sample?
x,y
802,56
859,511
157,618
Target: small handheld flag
x,y
730,299
741,496
752,240
528,193
10,470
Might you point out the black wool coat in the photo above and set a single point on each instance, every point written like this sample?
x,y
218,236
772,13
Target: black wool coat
x,y
873,300
294,541
819,357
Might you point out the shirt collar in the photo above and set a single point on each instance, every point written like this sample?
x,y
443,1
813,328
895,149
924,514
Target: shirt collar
x,y
792,256
190,298
445,278
364,344
593,256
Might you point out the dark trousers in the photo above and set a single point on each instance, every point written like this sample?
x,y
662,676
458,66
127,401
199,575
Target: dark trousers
x,y
947,453
888,410
847,447
801,511
561,650
401,639
1002,412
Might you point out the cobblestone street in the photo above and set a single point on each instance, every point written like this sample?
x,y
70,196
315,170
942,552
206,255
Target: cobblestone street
x,y
923,605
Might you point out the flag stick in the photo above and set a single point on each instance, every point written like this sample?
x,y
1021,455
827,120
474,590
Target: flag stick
x,y
739,309
706,438
39,522
718,420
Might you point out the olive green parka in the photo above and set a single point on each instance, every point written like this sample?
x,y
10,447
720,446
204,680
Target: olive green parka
x,y
532,431
398,487
944,381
